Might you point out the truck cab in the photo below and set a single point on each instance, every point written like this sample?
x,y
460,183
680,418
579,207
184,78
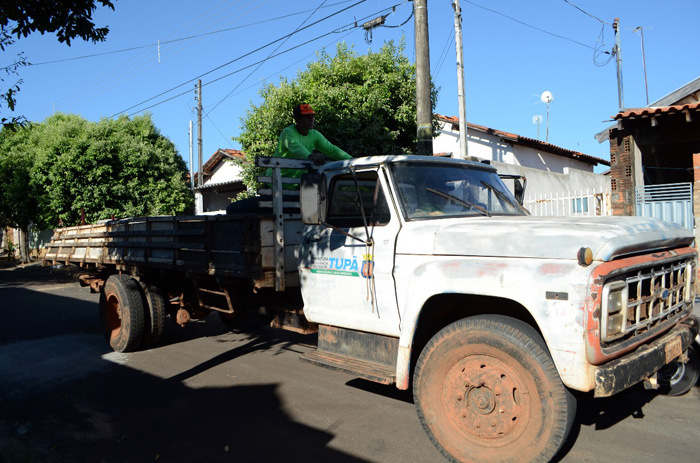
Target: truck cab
x,y
414,268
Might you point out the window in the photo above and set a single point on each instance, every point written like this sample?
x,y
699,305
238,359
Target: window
x,y
579,205
344,202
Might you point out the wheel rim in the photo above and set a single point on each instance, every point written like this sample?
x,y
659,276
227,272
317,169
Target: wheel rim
x,y
113,316
672,373
487,399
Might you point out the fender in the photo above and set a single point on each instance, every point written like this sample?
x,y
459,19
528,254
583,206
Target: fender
x,y
557,306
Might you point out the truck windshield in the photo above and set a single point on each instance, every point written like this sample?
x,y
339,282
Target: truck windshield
x,y
430,190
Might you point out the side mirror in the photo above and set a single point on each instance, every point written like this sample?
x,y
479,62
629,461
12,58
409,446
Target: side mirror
x,y
312,198
520,190
519,185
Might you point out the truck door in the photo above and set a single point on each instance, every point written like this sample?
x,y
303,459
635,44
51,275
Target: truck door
x,y
345,281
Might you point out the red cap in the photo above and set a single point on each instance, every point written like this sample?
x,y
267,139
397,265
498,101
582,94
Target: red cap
x,y
303,109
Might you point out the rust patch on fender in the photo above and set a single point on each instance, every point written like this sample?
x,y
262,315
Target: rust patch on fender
x,y
491,269
553,269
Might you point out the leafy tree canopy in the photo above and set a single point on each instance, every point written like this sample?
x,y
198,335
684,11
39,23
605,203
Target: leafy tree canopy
x,y
120,168
365,104
18,204
68,19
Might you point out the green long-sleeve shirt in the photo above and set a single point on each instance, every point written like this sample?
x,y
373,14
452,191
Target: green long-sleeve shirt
x,y
294,145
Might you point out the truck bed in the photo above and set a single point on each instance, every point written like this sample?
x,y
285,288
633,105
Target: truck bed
x,y
238,246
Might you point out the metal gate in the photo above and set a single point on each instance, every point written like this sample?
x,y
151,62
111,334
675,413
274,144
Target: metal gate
x,y
672,202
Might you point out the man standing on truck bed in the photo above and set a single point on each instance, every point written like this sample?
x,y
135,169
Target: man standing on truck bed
x,y
300,140
297,141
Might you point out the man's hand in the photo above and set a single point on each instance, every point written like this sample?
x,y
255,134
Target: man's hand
x,y
317,158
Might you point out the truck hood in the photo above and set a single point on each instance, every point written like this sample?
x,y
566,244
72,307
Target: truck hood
x,y
541,237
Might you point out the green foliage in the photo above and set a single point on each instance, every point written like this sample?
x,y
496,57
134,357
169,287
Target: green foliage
x,y
67,19
365,104
121,167
18,199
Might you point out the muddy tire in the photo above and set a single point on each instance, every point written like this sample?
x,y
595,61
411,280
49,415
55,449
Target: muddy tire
x,y
156,303
487,391
122,313
678,378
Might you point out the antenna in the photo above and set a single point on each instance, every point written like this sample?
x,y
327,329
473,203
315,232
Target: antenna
x,y
547,97
537,120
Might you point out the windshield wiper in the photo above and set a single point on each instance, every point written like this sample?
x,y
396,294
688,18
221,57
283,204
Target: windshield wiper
x,y
499,193
449,197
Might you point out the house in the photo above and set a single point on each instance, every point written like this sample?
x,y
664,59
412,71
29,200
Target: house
x,y
221,182
655,158
559,181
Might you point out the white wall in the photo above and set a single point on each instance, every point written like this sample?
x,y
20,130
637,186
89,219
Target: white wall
x,y
494,148
225,172
541,182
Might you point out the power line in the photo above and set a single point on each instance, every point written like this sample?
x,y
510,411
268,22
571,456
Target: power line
x,y
587,13
241,57
237,59
268,57
167,42
530,26
218,78
143,61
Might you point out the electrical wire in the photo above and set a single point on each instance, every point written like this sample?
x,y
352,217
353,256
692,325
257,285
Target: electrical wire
x,y
354,25
142,62
530,26
587,13
268,57
181,39
218,78
239,58
445,50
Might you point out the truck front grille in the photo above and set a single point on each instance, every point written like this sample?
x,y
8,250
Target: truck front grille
x,y
639,301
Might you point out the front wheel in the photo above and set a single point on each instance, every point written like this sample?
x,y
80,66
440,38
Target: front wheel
x,y
487,391
678,378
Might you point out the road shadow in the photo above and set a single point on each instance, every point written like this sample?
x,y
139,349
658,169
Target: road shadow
x,y
36,274
30,314
604,413
124,415
389,391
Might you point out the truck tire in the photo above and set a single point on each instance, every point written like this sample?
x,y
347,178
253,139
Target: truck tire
x,y
678,378
155,302
486,390
122,313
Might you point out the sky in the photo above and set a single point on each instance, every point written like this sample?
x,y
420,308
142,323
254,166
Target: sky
x,y
514,51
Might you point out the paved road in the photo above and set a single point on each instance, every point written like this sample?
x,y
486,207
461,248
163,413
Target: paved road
x,y
209,395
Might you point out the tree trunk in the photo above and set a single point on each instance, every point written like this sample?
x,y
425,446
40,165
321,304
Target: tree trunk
x,y
24,245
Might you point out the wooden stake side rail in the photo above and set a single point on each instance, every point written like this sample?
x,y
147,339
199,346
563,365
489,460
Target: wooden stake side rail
x,y
212,245
260,247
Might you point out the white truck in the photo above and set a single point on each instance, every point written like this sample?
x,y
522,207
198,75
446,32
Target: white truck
x,y
421,272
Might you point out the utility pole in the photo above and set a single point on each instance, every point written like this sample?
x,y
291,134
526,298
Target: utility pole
x,y
463,149
644,62
199,132
424,110
618,60
191,160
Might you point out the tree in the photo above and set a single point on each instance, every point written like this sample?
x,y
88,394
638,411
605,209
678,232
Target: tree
x,y
120,168
68,19
18,199
365,104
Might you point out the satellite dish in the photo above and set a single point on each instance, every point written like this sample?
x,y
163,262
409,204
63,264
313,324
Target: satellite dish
x,y
536,119
547,97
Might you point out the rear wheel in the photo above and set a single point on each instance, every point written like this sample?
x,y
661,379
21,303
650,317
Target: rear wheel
x,y
155,304
122,313
486,390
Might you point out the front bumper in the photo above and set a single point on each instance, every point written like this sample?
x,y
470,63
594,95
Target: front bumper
x,y
619,374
